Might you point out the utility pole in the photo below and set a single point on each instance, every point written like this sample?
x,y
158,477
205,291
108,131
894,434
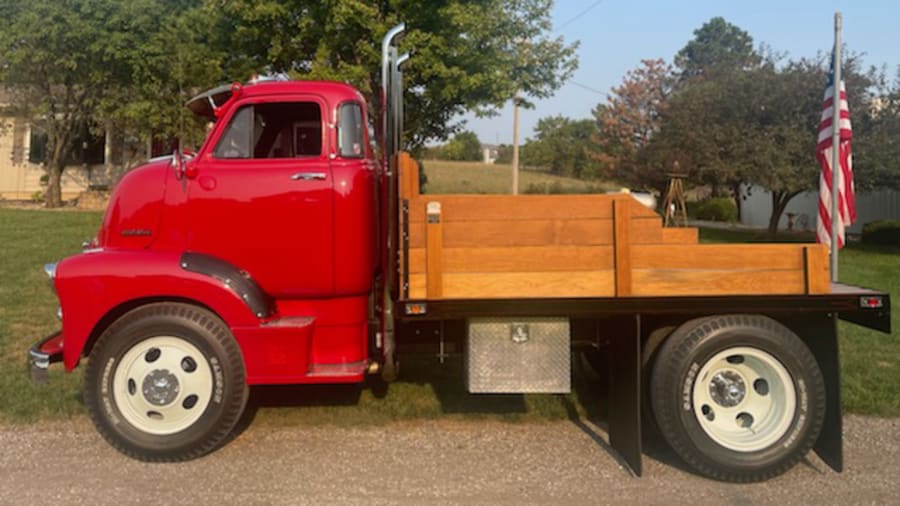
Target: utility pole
x,y
515,156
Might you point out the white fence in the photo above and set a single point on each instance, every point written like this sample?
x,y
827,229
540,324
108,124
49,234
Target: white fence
x,y
872,206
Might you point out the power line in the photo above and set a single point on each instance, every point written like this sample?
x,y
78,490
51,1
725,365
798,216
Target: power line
x,y
578,16
594,90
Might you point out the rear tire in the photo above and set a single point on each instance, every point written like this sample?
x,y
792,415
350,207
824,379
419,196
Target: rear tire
x,y
166,383
738,397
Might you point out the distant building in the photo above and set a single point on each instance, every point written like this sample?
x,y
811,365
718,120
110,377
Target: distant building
x,y
490,153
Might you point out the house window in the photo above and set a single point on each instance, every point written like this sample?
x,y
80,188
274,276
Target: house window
x,y
89,148
281,130
37,146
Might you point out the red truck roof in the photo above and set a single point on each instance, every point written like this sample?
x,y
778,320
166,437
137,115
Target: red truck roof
x,y
206,103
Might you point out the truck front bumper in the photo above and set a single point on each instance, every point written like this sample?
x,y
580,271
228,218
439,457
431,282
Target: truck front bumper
x,y
43,353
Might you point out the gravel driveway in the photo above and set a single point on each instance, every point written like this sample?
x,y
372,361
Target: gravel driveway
x,y
441,462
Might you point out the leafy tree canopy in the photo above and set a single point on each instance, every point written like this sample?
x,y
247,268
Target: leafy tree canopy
x,y
561,145
717,45
628,121
465,146
466,55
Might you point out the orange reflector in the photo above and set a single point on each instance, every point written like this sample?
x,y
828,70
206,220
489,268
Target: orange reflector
x,y
416,308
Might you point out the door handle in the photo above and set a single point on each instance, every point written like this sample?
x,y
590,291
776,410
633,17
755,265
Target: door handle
x,y
309,176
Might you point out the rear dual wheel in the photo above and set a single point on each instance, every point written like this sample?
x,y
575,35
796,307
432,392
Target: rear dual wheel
x,y
166,382
738,397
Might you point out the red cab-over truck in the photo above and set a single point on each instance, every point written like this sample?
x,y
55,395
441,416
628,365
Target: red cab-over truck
x,y
284,252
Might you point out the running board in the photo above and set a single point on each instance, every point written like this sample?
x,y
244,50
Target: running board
x,y
337,370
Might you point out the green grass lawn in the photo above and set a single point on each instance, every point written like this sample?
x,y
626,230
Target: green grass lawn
x,y
28,239
473,177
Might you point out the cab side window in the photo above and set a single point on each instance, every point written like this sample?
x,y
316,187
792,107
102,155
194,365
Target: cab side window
x,y
350,131
275,130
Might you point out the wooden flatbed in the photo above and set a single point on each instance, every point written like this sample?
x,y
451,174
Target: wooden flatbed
x,y
559,246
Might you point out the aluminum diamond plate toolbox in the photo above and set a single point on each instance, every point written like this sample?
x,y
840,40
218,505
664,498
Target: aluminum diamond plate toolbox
x,y
524,355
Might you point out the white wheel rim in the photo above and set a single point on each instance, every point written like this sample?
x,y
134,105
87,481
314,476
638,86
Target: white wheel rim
x,y
744,399
162,385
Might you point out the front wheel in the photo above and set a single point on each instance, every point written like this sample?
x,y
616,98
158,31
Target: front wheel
x,y
738,397
166,382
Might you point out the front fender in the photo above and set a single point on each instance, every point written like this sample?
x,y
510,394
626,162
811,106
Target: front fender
x,y
93,284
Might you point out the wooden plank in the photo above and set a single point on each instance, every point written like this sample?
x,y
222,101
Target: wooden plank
x,y
499,233
519,284
680,235
818,271
514,207
433,252
522,259
660,282
622,232
718,256
646,230
409,176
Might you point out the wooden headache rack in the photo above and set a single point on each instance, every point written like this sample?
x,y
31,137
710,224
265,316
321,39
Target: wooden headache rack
x,y
539,246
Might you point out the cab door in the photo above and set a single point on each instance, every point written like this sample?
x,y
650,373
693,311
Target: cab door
x,y
261,197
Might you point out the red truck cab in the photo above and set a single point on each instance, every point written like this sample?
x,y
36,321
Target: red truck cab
x,y
266,235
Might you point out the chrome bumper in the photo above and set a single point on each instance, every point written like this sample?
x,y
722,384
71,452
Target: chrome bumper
x,y
43,353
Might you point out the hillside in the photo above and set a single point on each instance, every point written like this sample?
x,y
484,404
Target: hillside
x,y
473,177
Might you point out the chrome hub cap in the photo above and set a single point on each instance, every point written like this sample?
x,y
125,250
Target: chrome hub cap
x,y
160,387
727,388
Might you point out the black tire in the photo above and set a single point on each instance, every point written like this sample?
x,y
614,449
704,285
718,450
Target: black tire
x,y
711,362
132,399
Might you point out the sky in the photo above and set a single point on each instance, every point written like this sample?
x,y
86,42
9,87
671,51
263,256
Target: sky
x,y
616,35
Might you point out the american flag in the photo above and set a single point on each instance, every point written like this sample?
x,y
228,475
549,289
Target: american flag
x,y
846,198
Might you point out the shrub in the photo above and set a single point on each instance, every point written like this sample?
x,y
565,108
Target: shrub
x,y
555,187
884,232
717,209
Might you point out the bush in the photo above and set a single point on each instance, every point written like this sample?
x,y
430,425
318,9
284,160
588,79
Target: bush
x,y
717,209
884,232
545,188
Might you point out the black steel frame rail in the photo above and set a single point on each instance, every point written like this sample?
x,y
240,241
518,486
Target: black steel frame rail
x,y
846,304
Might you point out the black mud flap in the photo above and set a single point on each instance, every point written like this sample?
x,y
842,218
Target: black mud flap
x,y
625,397
822,340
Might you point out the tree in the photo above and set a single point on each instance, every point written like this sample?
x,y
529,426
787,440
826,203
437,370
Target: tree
x,y
759,127
876,138
465,146
628,121
172,62
561,145
59,64
717,46
466,55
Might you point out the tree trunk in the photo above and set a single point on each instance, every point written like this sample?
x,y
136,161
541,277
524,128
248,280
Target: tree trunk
x,y
53,198
779,204
736,193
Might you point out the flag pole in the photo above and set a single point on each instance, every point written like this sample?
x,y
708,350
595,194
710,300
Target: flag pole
x,y
835,146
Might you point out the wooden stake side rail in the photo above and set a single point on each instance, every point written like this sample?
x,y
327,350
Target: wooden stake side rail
x,y
540,246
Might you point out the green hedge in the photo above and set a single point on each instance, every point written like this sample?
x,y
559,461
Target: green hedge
x,y
717,209
884,232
